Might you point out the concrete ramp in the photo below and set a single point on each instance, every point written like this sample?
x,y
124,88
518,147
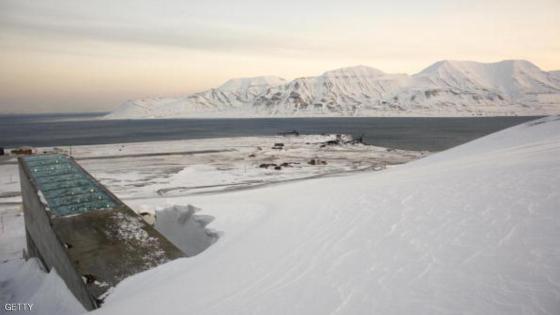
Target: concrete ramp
x,y
77,226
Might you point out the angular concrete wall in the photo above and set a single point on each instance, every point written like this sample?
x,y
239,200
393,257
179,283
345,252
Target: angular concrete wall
x,y
94,247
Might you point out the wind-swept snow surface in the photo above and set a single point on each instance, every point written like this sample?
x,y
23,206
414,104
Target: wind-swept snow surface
x,y
446,88
475,230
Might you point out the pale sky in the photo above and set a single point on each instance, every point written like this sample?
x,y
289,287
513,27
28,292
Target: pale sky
x,y
62,56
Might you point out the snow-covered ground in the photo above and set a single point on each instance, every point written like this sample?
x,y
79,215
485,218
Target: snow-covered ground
x,y
26,289
167,169
474,229
183,167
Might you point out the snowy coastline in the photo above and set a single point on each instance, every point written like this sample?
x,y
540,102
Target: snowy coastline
x,y
183,167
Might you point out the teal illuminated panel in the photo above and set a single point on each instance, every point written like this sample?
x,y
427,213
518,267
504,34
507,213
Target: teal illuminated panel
x,y
68,190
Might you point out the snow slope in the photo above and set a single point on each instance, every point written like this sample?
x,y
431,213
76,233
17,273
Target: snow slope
x,y
475,229
555,76
446,88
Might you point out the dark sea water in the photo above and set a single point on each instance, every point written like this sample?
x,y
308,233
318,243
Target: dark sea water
x,y
432,134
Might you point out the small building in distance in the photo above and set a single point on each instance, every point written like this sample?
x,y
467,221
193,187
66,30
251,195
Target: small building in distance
x,y
23,151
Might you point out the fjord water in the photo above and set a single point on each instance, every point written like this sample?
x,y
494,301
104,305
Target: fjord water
x,y
412,133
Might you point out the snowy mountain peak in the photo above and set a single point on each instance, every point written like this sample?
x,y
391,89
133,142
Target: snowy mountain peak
x,y
355,71
246,83
506,67
518,64
511,80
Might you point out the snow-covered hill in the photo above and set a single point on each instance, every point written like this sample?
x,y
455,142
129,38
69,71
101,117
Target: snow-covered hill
x,y
235,97
446,88
472,230
509,87
347,91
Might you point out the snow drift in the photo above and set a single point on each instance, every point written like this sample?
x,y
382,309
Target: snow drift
x,y
26,282
474,229
446,88
185,229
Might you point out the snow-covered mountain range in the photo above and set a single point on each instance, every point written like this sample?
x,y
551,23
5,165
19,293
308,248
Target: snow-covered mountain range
x,y
446,88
